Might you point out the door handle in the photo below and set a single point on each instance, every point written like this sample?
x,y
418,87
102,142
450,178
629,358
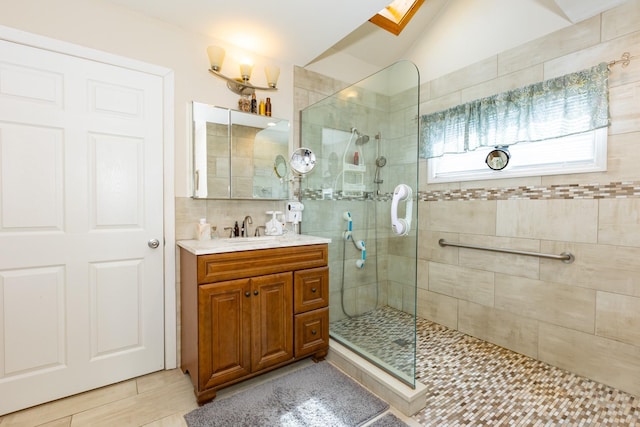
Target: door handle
x,y
401,226
153,243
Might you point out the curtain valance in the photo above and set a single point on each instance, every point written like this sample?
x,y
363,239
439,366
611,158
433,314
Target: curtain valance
x,y
566,105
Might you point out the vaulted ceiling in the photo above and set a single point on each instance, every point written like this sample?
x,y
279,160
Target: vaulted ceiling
x,y
304,32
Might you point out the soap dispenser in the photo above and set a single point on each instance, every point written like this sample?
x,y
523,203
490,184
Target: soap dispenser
x,y
203,230
273,226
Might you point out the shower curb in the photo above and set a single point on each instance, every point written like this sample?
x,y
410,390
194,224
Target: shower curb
x,y
405,399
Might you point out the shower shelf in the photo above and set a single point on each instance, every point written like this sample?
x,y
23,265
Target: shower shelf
x,y
353,180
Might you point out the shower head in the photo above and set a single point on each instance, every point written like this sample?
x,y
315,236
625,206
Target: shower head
x,y
360,138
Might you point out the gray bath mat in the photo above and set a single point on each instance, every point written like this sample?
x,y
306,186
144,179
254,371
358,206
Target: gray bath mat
x,y
318,395
388,420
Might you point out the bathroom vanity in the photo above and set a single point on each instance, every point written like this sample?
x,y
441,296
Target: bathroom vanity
x,y
250,305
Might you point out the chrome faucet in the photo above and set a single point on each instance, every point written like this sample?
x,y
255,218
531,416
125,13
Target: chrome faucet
x,y
245,226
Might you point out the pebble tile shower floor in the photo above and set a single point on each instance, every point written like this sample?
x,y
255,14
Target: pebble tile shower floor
x,y
471,382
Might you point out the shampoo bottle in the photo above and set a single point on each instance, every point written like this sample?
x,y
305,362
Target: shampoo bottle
x,y
203,230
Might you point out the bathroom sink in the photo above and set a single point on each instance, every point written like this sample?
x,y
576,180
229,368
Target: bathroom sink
x,y
203,247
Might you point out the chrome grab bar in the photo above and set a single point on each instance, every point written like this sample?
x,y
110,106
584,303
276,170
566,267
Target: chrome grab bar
x,y
566,257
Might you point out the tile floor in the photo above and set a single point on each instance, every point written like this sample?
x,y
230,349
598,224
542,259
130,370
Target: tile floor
x,y
470,383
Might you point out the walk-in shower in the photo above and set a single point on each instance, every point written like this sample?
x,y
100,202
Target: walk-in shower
x,y
365,138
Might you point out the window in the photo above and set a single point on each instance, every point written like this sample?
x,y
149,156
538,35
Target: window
x,y
557,126
586,152
397,15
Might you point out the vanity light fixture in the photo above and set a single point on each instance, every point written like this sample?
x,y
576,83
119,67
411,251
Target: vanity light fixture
x,y
241,85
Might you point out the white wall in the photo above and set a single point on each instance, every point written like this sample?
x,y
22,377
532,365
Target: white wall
x,y
467,31
111,28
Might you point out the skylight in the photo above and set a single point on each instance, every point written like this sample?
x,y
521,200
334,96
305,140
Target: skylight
x,y
397,15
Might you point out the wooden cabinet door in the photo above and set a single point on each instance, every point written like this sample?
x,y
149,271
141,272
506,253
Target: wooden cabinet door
x,y
271,319
312,332
224,331
311,289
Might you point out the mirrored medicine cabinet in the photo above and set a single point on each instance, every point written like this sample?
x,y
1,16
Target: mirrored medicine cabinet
x,y
239,155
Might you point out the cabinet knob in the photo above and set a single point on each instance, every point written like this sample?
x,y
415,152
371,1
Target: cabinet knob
x,y
247,294
313,332
313,290
255,292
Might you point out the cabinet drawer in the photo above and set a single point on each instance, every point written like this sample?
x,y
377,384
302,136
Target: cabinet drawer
x,y
311,332
241,264
311,289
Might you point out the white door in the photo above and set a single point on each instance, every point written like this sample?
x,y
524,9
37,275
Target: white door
x,y
81,185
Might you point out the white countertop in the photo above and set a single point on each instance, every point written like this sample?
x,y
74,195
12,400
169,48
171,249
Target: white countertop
x,y
218,246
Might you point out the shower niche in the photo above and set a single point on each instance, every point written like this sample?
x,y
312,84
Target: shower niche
x,y
366,142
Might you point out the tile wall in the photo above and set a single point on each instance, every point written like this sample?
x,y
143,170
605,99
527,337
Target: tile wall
x,y
585,316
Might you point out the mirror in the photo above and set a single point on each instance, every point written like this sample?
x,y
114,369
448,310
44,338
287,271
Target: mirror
x,y
280,167
238,155
498,159
303,161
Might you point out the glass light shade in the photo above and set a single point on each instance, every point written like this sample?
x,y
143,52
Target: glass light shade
x,y
216,56
272,73
245,71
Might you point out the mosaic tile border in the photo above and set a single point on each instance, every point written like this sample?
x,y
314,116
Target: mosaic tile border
x,y
612,190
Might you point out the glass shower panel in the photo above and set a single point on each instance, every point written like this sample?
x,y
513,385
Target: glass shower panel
x,y
365,138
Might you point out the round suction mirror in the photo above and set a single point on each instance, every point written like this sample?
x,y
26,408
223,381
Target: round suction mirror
x,y
498,159
280,166
303,161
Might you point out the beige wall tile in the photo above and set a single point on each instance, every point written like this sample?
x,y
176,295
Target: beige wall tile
x,y
188,211
603,52
401,269
425,91
472,217
482,71
440,103
605,360
571,219
504,83
515,265
619,222
624,108
600,267
570,39
563,305
430,249
621,20
395,296
422,281
481,90
438,308
500,327
461,282
617,317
